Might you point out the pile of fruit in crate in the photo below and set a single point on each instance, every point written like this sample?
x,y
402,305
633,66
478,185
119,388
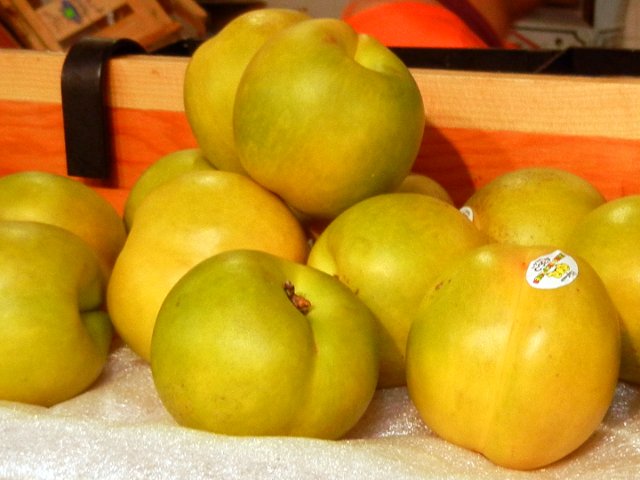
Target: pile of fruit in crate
x,y
278,275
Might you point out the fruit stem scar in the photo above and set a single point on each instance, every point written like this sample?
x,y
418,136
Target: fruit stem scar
x,y
302,304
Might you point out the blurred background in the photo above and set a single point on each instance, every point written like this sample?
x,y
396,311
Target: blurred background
x,y
56,24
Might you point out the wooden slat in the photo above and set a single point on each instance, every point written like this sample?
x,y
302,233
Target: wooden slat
x,y
31,138
147,117
464,159
549,104
137,82
479,124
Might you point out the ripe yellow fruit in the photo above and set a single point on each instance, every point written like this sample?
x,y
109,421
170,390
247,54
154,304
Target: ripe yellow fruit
x,y
532,206
250,344
326,117
608,239
54,334
389,249
67,203
515,354
162,170
214,72
183,222
419,183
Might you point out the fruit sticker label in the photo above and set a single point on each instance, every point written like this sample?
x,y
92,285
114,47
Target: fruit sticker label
x,y
467,212
554,270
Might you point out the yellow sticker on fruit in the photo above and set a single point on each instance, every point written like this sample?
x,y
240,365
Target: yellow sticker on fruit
x,y
553,270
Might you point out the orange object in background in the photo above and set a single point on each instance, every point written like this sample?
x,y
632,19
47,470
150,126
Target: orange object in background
x,y
417,24
439,24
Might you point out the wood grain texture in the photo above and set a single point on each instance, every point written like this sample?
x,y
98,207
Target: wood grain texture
x,y
31,138
147,115
550,104
144,82
479,125
464,159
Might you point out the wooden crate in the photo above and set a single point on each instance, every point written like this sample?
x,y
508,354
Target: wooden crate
x,y
479,124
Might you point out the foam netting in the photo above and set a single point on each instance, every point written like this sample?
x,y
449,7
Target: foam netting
x,y
118,429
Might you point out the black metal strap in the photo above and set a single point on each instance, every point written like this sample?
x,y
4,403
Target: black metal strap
x,y
571,61
87,132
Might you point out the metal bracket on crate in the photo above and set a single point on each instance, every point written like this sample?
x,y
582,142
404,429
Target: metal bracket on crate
x,y
85,114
